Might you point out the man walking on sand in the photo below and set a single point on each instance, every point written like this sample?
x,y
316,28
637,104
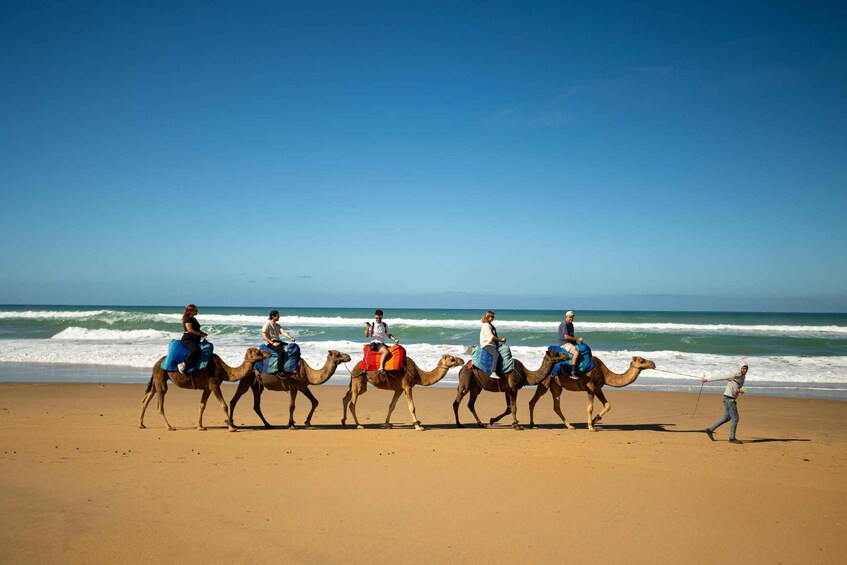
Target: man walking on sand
x,y
730,413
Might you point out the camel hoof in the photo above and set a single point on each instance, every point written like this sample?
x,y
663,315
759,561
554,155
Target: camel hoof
x,y
568,426
142,427
420,428
597,419
233,430
518,428
592,429
170,429
292,427
201,429
388,426
360,427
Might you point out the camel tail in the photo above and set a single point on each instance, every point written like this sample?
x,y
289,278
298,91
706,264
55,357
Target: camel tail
x,y
149,385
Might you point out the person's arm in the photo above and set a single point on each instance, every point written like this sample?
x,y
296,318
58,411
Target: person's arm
x,y
286,334
571,338
368,329
389,334
192,331
706,379
265,336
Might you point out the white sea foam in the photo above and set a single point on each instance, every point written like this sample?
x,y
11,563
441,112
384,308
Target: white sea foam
x,y
53,315
141,348
112,316
74,333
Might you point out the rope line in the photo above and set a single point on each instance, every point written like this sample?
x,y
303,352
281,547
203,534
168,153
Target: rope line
x,y
675,373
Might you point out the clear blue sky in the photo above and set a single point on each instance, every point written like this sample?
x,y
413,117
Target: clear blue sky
x,y
449,154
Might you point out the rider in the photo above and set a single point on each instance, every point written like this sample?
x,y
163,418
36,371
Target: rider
x,y
191,338
271,332
377,332
568,342
488,341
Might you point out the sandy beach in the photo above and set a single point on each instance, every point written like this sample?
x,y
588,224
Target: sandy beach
x,y
79,482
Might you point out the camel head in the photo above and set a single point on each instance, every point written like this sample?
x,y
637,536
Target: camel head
x,y
555,356
449,361
337,357
254,355
641,363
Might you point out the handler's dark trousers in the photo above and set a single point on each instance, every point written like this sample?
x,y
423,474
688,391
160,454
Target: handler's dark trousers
x,y
730,412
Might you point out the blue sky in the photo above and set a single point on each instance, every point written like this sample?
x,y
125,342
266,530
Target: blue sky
x,y
646,155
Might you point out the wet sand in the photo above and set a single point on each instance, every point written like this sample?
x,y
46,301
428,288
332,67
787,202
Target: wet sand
x,y
79,482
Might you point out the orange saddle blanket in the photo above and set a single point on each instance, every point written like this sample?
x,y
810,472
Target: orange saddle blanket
x,y
396,361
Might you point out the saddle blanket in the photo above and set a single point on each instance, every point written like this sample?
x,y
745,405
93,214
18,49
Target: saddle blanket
x,y
395,362
586,361
290,361
177,354
481,359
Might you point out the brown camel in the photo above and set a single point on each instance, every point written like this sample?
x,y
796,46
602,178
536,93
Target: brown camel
x,y
475,381
291,382
208,380
400,381
591,382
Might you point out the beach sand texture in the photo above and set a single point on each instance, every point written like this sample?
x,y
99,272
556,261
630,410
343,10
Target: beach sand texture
x,y
80,483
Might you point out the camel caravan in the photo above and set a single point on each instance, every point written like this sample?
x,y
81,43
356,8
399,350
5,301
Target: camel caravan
x,y
278,366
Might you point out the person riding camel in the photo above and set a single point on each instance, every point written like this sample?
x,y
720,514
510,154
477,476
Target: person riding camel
x,y
377,332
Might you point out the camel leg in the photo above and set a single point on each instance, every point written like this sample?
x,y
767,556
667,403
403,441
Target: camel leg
x,y
606,406
590,409
514,403
344,402
203,398
391,406
144,402
353,399
243,386
161,389
411,401
508,409
308,394
540,390
471,406
292,401
460,394
258,389
557,408
216,389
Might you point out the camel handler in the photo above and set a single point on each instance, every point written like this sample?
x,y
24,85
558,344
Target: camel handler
x,y
567,340
377,332
271,332
730,394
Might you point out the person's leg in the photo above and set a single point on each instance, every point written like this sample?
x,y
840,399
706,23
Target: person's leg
x,y
384,355
279,348
724,419
495,359
193,348
732,408
574,353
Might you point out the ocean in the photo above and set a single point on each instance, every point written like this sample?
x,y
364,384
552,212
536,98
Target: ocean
x,y
803,355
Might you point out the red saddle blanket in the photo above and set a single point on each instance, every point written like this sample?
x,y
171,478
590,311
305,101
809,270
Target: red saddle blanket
x,y
396,361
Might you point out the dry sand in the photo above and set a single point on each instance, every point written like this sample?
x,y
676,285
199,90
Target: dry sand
x,y
80,483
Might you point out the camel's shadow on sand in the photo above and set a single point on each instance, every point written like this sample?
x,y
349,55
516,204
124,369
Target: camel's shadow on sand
x,y
651,427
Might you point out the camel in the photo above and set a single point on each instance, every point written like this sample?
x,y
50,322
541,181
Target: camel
x,y
400,381
475,381
291,382
591,382
208,380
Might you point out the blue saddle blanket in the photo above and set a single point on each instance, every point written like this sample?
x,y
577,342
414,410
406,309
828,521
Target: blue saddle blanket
x,y
482,359
290,362
586,361
177,354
